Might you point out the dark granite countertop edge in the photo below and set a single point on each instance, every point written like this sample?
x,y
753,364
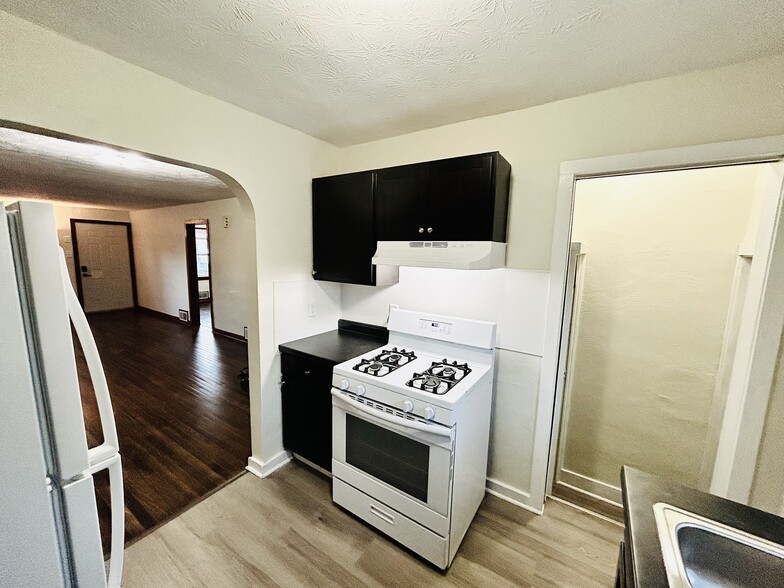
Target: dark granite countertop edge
x,y
642,490
349,340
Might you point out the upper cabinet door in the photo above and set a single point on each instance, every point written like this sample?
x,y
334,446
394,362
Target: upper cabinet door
x,y
343,239
461,199
401,203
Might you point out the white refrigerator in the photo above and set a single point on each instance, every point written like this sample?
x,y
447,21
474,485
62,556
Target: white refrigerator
x,y
49,534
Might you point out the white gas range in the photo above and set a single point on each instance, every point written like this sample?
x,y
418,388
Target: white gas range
x,y
411,424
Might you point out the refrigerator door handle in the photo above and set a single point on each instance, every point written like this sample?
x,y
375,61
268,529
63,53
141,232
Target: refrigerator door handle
x,y
117,503
110,445
106,455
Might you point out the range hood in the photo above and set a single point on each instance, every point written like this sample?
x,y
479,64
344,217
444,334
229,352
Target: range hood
x,y
444,254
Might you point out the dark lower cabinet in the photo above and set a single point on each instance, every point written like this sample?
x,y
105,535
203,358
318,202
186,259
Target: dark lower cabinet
x,y
620,574
307,408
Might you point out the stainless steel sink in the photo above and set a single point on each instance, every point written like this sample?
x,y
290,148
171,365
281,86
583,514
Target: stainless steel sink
x,y
702,553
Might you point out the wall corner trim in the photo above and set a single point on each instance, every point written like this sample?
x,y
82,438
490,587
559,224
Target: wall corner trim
x,y
262,469
511,495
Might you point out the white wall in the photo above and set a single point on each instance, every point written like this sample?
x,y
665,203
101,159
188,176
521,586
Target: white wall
x,y
65,86
736,102
161,271
659,254
296,300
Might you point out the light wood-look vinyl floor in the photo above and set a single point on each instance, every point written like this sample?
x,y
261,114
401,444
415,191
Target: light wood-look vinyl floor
x,y
285,531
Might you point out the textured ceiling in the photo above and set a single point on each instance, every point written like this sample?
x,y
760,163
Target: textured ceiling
x,y
39,167
349,71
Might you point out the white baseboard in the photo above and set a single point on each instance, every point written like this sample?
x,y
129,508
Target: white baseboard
x,y
511,494
596,488
262,469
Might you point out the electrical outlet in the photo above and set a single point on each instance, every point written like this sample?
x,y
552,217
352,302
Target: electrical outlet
x,y
245,331
312,308
184,315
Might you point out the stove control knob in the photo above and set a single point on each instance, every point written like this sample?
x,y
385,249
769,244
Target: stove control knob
x,y
429,413
408,406
360,390
344,384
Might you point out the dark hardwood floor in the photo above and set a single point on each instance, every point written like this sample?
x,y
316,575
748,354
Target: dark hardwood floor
x,y
182,416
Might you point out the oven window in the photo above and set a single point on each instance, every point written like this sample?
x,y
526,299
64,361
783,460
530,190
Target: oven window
x,y
387,456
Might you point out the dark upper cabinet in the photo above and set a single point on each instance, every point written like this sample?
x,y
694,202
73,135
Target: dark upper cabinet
x,y
401,194
458,199
343,231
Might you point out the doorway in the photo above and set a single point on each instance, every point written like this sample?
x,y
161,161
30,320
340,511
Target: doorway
x,y
104,265
199,266
661,272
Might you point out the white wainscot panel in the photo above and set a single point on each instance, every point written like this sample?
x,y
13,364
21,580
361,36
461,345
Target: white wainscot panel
x,y
292,301
514,411
522,311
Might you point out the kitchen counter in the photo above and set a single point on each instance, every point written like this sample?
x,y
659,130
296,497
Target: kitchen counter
x,y
641,491
306,386
348,340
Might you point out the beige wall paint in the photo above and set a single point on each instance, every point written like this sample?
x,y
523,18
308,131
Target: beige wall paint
x,y
62,85
103,98
161,272
660,252
736,102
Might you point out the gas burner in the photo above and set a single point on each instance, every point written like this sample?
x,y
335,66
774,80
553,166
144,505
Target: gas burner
x,y
431,383
428,383
396,357
440,377
385,362
450,372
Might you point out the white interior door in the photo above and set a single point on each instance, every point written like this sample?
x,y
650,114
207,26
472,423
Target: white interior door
x,y
105,266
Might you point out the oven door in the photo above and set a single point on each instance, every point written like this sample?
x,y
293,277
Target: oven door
x,y
404,463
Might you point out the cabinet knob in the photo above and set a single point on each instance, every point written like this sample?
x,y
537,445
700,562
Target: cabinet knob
x,y
313,272
429,229
307,372
421,229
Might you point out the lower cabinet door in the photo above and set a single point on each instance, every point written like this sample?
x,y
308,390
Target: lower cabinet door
x,y
307,408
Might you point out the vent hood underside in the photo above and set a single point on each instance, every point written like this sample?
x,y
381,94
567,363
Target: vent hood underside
x,y
442,254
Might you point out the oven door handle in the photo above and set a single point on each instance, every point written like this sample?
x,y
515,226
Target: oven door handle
x,y
393,420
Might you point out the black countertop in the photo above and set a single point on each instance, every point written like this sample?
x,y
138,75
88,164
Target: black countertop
x,y
348,340
641,491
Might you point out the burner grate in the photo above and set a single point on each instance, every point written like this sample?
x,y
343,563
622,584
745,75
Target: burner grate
x,y
385,362
440,377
